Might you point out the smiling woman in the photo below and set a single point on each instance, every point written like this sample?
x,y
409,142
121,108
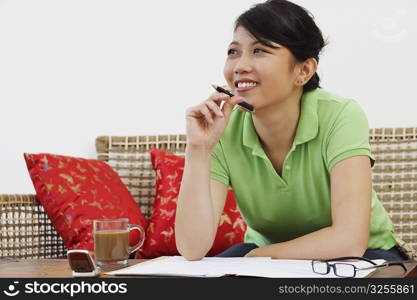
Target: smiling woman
x,y
299,165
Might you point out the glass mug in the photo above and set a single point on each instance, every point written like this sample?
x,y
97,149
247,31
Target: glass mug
x,y
111,240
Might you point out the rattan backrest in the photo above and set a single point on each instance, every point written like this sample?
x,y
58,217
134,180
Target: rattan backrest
x,y
129,157
395,177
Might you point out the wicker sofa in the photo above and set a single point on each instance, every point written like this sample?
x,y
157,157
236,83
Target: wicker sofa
x,y
26,231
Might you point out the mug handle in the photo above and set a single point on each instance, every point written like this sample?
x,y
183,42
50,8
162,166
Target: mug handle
x,y
141,240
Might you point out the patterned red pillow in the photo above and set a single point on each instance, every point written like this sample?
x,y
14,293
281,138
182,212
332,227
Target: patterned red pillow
x,y
75,191
160,236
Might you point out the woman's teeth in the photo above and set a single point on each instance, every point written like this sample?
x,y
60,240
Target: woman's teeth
x,y
246,84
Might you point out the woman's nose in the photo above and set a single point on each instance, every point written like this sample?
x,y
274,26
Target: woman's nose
x,y
243,65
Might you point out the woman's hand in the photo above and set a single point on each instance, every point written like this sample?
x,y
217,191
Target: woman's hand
x,y
206,122
254,253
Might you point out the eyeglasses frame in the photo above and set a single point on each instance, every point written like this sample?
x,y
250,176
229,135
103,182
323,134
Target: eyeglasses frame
x,y
374,265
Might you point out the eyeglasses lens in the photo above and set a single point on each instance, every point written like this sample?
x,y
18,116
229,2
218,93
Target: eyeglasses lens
x,y
320,267
344,270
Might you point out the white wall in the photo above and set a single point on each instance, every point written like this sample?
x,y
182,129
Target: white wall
x,y
73,70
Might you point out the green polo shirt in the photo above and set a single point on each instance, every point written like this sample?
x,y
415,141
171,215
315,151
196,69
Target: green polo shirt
x,y
281,208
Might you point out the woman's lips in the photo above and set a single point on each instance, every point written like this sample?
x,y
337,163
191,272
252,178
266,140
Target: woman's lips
x,y
245,89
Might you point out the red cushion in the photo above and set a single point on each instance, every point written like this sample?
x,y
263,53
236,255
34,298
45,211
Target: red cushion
x,y
160,233
75,191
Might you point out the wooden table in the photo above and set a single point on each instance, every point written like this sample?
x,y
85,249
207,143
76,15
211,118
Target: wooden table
x,y
48,268
59,268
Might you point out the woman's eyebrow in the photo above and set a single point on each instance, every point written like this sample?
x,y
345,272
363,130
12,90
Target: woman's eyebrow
x,y
253,43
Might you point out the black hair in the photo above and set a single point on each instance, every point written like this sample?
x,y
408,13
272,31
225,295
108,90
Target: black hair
x,y
289,25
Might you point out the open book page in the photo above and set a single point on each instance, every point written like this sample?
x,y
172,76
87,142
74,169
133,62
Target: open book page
x,y
179,266
239,266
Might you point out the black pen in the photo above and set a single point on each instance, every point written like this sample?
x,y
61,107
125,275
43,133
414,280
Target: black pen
x,y
245,106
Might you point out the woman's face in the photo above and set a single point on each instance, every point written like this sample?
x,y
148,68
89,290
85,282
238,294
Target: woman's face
x,y
263,75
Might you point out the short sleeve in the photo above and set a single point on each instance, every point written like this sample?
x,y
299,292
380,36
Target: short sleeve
x,y
219,170
348,136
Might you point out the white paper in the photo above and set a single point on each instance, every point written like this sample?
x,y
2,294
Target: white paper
x,y
238,266
179,266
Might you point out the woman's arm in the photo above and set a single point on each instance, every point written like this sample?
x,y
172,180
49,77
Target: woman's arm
x,y
351,192
201,199
199,206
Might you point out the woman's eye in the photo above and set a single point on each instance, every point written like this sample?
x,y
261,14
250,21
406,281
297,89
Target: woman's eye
x,y
258,50
231,52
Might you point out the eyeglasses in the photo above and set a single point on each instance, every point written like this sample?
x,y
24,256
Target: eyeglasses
x,y
348,270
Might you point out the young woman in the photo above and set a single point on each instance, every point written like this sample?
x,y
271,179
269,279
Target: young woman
x,y
299,165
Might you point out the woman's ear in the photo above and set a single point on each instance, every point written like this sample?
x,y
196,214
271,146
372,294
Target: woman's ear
x,y
307,69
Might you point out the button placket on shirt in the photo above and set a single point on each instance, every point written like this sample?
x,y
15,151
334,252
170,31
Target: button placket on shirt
x,y
258,151
287,166
283,179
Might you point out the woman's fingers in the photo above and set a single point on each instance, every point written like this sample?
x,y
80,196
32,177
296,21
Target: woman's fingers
x,y
210,108
215,109
228,106
206,112
214,103
198,112
218,98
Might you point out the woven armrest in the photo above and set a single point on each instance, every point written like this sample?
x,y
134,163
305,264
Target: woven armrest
x,y
394,177
26,230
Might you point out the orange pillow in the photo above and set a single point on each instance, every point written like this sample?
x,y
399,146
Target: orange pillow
x,y
75,191
160,234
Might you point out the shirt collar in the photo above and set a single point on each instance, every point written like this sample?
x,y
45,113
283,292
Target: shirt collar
x,y
307,126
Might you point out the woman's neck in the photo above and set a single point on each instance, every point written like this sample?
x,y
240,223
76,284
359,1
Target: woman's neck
x,y
276,126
